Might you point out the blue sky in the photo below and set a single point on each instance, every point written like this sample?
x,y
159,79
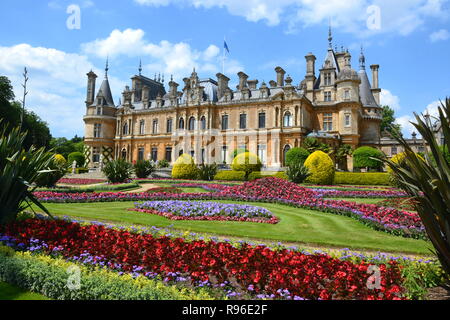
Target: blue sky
x,y
410,41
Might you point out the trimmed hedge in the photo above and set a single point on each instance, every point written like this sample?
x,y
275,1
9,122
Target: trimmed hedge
x,y
297,156
230,176
247,162
321,168
259,175
362,158
49,276
355,178
99,188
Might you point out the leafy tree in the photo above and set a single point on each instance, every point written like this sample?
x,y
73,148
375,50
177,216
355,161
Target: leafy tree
x,y
6,89
78,157
313,145
297,156
388,122
66,147
365,157
341,153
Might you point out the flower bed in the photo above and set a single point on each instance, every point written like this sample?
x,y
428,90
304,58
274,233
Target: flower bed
x,y
206,186
272,190
195,210
76,181
165,190
335,193
257,270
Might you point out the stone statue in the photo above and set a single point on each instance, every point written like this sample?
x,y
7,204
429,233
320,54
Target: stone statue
x,y
74,167
101,162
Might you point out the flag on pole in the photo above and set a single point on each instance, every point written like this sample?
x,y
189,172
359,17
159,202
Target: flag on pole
x,y
226,46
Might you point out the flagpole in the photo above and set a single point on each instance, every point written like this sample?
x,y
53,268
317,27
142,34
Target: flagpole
x,y
223,56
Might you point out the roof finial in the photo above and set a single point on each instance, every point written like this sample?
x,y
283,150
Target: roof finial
x,y
162,78
362,59
159,77
107,67
140,66
171,77
330,36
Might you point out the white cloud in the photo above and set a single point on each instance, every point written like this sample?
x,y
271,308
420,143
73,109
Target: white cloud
x,y
177,59
57,84
440,35
388,99
405,121
400,16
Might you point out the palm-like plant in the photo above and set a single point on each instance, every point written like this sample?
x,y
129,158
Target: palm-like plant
x,y
118,171
19,169
428,181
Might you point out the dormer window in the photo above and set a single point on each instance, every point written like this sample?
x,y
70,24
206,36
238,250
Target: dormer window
x,y
99,111
327,79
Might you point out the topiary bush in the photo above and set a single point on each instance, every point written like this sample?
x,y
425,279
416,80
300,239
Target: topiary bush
x,y
321,168
238,151
296,156
78,157
230,176
247,162
362,158
144,168
185,168
118,171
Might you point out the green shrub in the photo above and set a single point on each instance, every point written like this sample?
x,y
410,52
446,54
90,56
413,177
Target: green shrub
x,y
185,168
118,171
362,158
230,176
356,178
265,174
207,171
78,157
56,170
49,276
163,164
297,156
247,162
321,168
297,172
144,168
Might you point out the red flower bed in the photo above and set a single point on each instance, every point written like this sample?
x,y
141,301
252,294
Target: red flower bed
x,y
264,270
76,181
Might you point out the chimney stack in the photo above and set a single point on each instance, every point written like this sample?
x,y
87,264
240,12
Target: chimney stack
x,y
375,84
222,84
173,88
310,64
280,76
252,84
90,96
242,80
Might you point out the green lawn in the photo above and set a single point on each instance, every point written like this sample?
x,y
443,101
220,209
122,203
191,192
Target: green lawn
x,y
9,292
296,225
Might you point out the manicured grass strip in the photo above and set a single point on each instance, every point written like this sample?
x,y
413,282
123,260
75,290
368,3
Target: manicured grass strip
x,y
296,225
9,292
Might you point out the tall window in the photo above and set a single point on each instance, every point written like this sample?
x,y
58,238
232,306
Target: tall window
x,y
327,79
142,127
169,126
243,121
181,123
191,123
394,151
262,153
225,122
155,154
155,127
99,111
328,122
203,123
125,129
97,130
141,154
96,154
348,120
224,154
203,155
287,120
347,94
169,154
327,96
262,120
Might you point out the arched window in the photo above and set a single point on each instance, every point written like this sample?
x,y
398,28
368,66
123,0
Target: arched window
x,y
191,123
287,120
203,123
181,123
285,151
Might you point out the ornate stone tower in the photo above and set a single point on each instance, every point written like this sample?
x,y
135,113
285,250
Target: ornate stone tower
x,y
100,122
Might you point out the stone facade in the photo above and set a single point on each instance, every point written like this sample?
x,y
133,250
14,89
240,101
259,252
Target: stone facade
x,y
209,120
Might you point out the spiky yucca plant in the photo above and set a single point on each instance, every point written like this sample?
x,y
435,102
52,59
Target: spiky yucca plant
x,y
19,169
118,171
428,181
